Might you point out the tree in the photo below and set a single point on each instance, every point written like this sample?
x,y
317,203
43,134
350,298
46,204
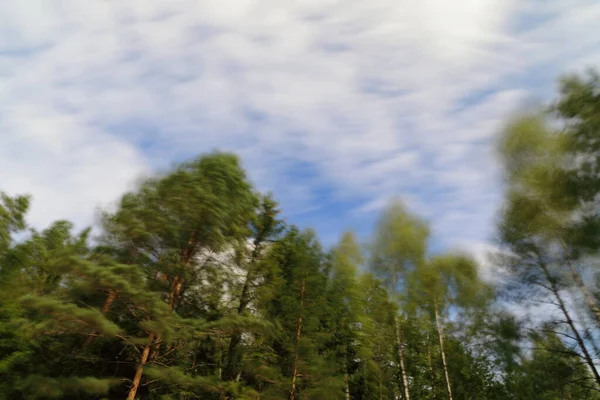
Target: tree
x,y
443,284
376,375
538,216
343,299
552,372
578,108
256,268
42,318
199,206
298,306
399,246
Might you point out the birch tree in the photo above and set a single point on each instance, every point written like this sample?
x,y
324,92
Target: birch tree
x,y
399,246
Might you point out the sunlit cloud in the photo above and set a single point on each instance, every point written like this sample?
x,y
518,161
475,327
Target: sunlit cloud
x,y
331,104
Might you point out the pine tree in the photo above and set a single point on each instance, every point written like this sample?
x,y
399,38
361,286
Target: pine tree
x,y
196,209
345,314
43,319
376,376
255,268
299,307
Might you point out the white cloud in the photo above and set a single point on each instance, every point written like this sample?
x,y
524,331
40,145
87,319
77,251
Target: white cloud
x,y
68,167
379,98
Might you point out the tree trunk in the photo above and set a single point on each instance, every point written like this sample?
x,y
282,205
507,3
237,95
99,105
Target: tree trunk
x,y
430,361
298,335
232,357
176,287
140,368
178,281
438,325
346,375
587,334
219,362
347,386
232,360
590,301
110,299
172,300
175,292
405,389
401,360
380,385
563,308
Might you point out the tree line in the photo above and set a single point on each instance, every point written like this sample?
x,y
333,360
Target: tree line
x,y
196,288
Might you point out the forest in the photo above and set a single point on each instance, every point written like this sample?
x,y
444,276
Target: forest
x,y
195,287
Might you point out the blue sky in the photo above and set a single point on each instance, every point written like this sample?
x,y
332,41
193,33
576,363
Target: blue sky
x,y
335,105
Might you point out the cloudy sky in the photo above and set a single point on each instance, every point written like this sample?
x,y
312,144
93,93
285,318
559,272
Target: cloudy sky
x,y
335,105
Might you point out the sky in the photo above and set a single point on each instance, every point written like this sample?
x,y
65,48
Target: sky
x,y
336,106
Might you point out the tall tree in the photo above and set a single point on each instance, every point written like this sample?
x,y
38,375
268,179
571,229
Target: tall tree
x,y
43,278
553,372
578,108
198,206
376,376
399,246
538,214
299,307
443,284
255,268
343,299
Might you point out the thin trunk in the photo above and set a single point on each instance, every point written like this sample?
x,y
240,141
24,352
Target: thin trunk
x,y
438,325
220,363
346,375
172,300
587,334
178,281
140,368
590,301
110,299
563,308
298,334
232,357
399,341
401,360
175,291
380,372
380,385
347,386
430,360
112,296
176,287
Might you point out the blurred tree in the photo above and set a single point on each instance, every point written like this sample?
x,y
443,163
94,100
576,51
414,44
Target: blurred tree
x,y
399,246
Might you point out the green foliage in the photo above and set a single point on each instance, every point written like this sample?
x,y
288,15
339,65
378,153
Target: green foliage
x,y
40,387
553,373
400,244
579,107
549,228
448,280
12,218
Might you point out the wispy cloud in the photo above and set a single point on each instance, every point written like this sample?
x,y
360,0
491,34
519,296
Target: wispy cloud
x,y
330,103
